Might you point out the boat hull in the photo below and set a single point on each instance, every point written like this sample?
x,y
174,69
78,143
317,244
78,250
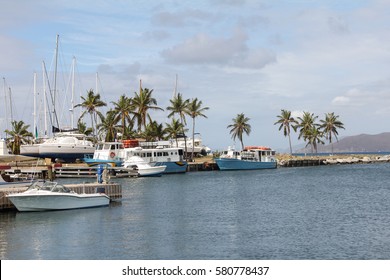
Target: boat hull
x,y
237,164
173,167
27,203
30,150
94,162
153,171
67,154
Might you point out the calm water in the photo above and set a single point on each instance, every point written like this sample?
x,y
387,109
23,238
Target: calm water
x,y
327,212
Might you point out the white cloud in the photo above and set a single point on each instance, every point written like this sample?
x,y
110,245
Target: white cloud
x,y
341,100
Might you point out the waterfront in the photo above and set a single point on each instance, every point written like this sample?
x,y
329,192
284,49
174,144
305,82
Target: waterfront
x,y
324,212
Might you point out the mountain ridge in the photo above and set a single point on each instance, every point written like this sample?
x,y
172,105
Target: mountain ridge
x,y
357,143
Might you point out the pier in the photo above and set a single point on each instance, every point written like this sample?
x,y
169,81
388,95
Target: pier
x,y
113,190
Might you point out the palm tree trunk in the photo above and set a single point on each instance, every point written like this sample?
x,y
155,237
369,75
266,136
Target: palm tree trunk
x,y
289,141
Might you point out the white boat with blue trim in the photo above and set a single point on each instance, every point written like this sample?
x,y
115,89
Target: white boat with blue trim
x,y
160,153
251,158
106,153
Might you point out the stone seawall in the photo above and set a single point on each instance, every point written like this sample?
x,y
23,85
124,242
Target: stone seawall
x,y
288,161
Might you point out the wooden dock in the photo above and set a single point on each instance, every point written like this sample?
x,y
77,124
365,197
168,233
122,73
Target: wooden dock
x,y
113,190
83,171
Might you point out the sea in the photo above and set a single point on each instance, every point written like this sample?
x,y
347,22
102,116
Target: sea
x,y
337,212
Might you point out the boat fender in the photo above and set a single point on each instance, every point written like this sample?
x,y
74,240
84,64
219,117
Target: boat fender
x,y
112,154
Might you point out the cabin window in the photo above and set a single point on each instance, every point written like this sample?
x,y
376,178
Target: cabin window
x,y
180,152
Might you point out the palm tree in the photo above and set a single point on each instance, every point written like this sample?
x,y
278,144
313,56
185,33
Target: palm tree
x,y
305,123
19,135
122,110
285,120
180,106
108,126
91,104
330,126
195,110
143,102
153,132
314,137
239,126
173,129
309,130
82,128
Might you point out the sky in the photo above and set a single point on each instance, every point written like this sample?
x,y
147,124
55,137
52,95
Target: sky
x,y
236,56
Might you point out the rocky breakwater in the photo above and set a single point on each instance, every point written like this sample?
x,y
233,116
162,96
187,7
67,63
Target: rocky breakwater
x,y
297,161
357,159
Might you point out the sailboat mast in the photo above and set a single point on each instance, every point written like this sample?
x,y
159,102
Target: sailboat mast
x,y
35,106
6,106
44,97
10,104
72,101
55,81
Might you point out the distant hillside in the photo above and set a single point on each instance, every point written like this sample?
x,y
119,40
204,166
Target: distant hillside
x,y
359,143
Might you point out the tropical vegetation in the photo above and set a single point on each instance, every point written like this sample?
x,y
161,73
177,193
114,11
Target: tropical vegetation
x,y
240,126
18,135
312,132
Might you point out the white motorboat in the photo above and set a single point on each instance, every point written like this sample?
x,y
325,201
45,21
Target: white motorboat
x,y
47,195
142,167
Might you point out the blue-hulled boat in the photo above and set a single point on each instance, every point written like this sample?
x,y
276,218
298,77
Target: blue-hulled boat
x,y
251,158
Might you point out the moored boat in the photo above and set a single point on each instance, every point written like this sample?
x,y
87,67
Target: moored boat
x,y
159,154
108,153
251,158
143,168
47,195
66,146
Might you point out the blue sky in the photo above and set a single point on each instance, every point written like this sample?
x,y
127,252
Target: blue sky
x,y
251,57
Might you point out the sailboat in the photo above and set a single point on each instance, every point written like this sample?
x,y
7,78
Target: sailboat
x,y
65,145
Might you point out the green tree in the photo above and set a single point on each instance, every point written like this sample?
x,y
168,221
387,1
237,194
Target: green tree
x,y
19,135
143,102
83,129
122,111
179,106
173,129
108,126
91,103
153,132
309,130
314,137
240,126
330,126
286,121
195,110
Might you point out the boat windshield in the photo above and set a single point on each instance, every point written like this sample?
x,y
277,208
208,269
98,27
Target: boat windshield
x,y
49,186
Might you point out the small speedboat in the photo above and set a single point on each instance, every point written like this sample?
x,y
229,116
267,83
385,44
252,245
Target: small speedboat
x,y
142,167
47,195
